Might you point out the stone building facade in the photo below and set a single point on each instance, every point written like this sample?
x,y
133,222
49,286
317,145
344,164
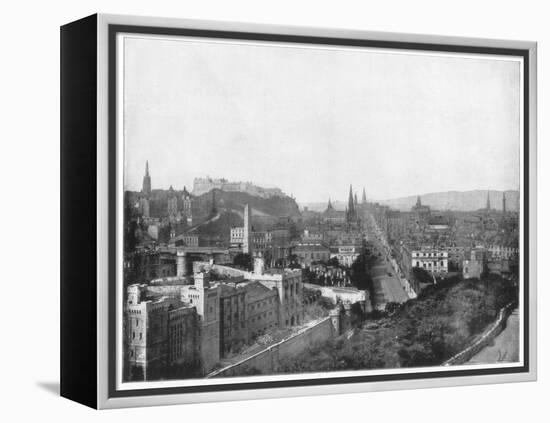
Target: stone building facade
x,y
309,252
233,324
262,309
433,260
159,333
206,299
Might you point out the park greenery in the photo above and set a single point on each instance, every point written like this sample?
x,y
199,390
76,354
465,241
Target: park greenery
x,y
442,321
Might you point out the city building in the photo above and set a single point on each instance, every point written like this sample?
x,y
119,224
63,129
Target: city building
x,y
310,252
434,260
475,266
260,240
502,252
147,265
288,285
333,216
420,212
346,253
233,318
312,236
160,332
186,240
262,309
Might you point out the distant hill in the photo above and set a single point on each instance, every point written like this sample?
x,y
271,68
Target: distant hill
x,y
450,200
457,200
319,207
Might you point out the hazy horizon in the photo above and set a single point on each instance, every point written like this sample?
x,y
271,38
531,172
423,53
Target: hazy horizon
x,y
313,120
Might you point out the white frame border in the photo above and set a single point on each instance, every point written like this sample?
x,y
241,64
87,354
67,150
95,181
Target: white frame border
x,y
103,400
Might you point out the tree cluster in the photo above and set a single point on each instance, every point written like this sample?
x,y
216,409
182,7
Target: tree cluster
x,y
441,322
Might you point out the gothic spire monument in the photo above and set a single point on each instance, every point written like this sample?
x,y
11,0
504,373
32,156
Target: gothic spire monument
x,y
146,187
364,199
350,199
503,203
351,213
488,206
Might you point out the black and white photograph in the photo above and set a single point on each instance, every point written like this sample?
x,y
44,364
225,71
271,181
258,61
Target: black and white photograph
x,y
277,211
309,210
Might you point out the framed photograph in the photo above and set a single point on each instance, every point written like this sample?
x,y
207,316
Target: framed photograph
x,y
253,211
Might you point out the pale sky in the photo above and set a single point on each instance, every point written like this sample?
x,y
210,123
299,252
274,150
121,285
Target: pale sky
x,y
311,121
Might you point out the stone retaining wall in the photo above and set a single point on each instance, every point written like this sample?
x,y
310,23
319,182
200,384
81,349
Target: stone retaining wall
x,y
267,360
488,336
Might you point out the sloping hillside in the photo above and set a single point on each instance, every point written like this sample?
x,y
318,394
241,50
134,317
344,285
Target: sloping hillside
x,y
229,211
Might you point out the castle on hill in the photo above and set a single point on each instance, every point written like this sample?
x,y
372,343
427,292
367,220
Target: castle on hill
x,y
204,185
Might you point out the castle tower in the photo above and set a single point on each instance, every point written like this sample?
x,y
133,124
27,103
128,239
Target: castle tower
x,y
364,199
146,188
247,241
207,300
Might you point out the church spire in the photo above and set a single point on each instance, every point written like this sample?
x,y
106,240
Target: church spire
x,y
350,200
418,202
503,203
488,201
364,199
329,206
146,187
351,213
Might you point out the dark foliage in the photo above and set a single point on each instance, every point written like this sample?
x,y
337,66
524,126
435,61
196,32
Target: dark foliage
x,y
426,331
243,260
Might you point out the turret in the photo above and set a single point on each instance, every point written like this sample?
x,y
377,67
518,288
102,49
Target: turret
x,y
134,294
202,280
259,265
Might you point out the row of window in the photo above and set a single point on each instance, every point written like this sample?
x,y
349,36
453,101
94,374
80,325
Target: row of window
x,y
259,317
260,304
429,254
